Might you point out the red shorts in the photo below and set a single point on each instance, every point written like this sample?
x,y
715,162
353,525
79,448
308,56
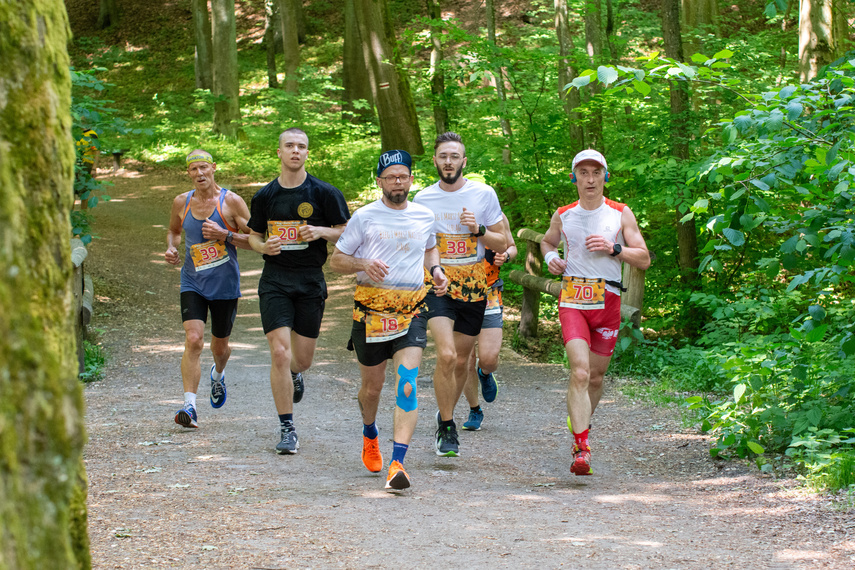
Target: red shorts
x,y
599,328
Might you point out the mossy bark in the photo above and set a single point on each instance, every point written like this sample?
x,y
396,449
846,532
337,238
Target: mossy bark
x,y
42,482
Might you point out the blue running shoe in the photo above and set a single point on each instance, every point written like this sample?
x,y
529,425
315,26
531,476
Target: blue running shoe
x,y
489,387
218,389
186,416
474,421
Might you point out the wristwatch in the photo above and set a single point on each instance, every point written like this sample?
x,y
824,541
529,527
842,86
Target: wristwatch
x,y
617,249
481,231
229,236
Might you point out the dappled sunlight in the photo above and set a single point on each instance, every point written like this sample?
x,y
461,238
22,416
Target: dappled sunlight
x,y
251,273
626,498
250,315
206,458
174,347
791,555
376,494
531,498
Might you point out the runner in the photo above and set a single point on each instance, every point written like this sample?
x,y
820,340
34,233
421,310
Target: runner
x,y
389,244
462,208
211,219
292,219
598,235
484,359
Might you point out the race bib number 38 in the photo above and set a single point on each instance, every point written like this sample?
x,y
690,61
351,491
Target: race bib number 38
x,y
380,327
289,233
457,249
583,293
208,254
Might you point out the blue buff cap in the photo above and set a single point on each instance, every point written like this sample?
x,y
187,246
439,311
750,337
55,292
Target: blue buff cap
x,y
391,157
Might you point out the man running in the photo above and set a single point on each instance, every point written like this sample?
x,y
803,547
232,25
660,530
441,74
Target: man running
x,y
484,360
467,218
211,219
389,244
598,235
291,220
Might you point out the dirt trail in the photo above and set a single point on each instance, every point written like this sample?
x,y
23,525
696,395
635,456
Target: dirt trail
x,y
219,497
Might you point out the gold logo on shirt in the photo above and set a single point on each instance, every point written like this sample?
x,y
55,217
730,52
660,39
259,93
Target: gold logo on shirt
x,y
305,210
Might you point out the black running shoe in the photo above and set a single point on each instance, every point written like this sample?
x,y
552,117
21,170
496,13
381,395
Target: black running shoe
x,y
299,388
289,444
447,444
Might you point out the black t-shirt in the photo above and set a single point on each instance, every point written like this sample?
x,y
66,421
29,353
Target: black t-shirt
x,y
314,202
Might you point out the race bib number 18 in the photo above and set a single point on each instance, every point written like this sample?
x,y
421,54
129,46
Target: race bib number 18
x,y
458,249
208,254
380,327
583,293
289,233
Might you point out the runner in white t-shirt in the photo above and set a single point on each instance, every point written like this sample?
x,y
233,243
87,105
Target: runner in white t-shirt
x,y
468,218
389,244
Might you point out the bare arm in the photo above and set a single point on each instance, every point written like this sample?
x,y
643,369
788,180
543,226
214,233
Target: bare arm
x,y
271,246
511,252
237,216
550,244
375,269
173,234
312,233
635,253
440,281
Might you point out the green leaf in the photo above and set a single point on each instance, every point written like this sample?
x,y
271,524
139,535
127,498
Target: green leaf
x,y
760,184
723,54
581,81
817,333
700,58
738,392
607,75
797,280
785,92
789,246
814,416
848,346
794,110
776,120
756,447
817,312
641,87
736,237
729,134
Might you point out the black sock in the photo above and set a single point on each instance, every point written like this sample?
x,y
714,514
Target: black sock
x,y
286,421
445,424
476,409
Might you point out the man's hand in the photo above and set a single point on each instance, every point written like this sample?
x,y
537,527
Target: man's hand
x,y
213,230
500,259
467,218
273,246
557,266
171,255
310,233
599,243
375,269
440,282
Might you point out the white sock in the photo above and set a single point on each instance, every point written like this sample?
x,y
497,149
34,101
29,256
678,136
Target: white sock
x,y
190,398
217,375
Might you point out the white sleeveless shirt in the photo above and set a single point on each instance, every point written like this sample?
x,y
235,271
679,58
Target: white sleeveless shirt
x,y
576,225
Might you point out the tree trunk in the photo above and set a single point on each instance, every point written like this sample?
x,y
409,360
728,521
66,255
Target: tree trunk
x,y
437,75
225,67
594,49
271,17
610,31
500,86
567,73
820,26
301,21
698,17
290,43
356,77
399,125
42,482
687,239
204,44
108,13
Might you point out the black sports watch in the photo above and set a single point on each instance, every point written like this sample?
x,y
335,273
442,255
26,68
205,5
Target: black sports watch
x,y
617,249
481,231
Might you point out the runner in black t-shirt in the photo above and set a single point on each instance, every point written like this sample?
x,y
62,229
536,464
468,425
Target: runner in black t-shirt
x,y
290,218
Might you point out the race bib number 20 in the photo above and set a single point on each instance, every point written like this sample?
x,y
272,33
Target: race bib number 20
x,y
583,293
289,233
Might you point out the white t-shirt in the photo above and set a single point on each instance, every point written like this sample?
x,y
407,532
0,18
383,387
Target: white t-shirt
x,y
460,252
577,224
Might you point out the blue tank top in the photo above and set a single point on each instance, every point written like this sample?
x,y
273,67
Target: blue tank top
x,y
210,267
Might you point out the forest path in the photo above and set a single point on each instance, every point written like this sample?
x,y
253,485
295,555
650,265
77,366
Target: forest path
x,y
162,496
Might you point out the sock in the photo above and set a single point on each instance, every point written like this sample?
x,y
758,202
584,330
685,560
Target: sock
x,y
445,424
217,375
399,450
476,409
581,437
190,398
286,421
481,372
370,431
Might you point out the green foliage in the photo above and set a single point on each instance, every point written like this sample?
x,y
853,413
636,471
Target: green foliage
x,y
94,361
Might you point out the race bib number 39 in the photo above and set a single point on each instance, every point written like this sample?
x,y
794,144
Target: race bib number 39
x,y
289,233
208,255
380,327
583,293
457,249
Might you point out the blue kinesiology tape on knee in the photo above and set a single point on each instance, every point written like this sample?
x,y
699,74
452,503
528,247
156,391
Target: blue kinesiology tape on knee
x,y
407,376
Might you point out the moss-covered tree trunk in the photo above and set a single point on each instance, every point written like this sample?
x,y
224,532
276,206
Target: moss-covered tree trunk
x,y
225,68
204,44
288,19
42,497
357,78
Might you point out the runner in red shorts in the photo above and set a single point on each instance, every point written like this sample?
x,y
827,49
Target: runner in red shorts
x,y
598,236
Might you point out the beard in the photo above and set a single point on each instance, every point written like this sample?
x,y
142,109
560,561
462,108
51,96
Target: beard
x,y
395,198
450,178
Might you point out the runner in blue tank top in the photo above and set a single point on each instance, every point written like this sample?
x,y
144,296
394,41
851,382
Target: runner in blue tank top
x,y
211,219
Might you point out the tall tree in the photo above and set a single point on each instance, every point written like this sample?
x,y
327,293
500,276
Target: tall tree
x,y
42,479
356,77
271,23
594,49
499,76
437,74
399,125
822,31
567,73
290,42
687,238
204,44
225,68
108,13
698,17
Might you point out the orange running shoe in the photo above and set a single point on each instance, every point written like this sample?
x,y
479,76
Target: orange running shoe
x,y
581,459
398,478
371,456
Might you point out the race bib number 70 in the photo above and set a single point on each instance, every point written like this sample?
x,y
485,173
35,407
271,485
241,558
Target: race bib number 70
x,y
583,293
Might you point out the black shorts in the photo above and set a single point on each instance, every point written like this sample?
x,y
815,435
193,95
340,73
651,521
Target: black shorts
x,y
294,299
374,353
223,312
468,316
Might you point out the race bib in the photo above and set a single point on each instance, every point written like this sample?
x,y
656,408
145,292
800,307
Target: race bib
x,y
457,249
583,293
494,302
380,327
289,233
208,255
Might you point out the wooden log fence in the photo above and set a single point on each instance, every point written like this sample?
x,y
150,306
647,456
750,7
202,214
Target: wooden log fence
x,y
83,296
534,283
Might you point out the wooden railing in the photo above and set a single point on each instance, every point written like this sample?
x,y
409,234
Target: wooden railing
x,y
534,283
83,296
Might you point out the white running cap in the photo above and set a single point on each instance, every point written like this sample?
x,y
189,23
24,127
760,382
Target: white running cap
x,y
590,154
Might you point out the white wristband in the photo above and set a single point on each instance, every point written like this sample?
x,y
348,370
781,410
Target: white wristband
x,y
550,256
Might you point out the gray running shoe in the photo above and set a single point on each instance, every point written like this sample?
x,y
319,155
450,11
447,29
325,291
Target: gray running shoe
x,y
299,388
289,444
447,444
